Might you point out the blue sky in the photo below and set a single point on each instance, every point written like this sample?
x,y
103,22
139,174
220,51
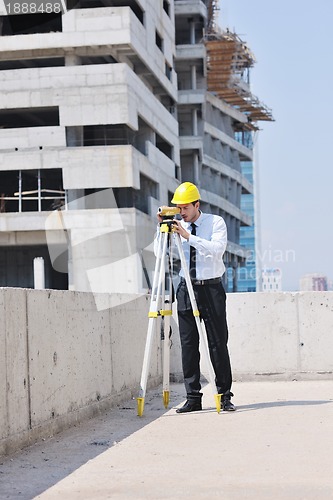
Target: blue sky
x,y
292,41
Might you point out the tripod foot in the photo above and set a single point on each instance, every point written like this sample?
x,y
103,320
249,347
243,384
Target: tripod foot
x,y
217,398
141,404
166,398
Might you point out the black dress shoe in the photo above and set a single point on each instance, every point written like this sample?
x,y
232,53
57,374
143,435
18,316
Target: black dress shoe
x,y
226,405
190,406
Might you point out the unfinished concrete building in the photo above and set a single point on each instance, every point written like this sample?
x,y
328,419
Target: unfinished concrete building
x,y
217,116
104,108
87,103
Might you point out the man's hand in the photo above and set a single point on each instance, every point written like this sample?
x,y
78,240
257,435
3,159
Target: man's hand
x,y
178,228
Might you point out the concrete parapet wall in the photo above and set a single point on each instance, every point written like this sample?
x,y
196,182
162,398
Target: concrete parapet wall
x,y
66,355
283,335
62,360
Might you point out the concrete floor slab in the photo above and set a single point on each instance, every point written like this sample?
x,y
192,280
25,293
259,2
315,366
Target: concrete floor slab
x,y
277,445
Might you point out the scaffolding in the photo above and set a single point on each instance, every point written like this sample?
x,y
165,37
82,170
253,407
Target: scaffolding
x,y
212,8
228,63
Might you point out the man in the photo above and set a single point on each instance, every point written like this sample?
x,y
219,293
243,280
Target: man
x,y
206,235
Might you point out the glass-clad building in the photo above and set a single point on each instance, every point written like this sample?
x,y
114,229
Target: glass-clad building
x,y
247,274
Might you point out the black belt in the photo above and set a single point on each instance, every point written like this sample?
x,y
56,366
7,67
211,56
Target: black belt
x,y
211,281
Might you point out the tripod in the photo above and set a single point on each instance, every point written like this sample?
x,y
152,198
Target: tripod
x,y
158,299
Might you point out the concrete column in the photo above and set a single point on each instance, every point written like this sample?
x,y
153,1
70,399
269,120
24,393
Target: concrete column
x,y
76,199
72,60
234,274
39,192
195,122
39,273
20,190
71,283
74,136
193,77
192,31
196,172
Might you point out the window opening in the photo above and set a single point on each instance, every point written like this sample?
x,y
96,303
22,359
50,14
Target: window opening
x,y
100,135
148,188
27,24
159,40
31,190
139,199
164,146
29,117
166,7
117,135
168,71
86,60
32,63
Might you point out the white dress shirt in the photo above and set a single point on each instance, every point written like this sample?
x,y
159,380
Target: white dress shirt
x,y
210,242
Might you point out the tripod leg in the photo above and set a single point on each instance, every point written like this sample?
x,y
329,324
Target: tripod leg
x,y
166,319
145,368
200,325
166,358
158,282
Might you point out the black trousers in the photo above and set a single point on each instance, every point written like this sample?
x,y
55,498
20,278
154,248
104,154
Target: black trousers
x,y
211,301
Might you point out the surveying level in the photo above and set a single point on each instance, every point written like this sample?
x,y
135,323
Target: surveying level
x,y
168,211
161,306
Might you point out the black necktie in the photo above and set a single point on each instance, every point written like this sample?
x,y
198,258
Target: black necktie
x,y
193,272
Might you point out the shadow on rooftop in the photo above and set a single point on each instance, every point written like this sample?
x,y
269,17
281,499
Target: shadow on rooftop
x,y
34,469
275,404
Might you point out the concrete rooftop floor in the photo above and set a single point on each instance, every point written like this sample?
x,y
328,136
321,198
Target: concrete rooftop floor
x,y
277,445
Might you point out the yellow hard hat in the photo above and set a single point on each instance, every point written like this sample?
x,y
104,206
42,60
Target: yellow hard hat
x,y
185,193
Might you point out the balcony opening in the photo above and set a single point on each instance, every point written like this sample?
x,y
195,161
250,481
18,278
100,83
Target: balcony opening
x,y
86,60
44,62
104,135
99,135
139,199
164,146
169,104
148,189
159,41
118,135
168,71
124,197
31,190
28,24
29,117
100,198
189,30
